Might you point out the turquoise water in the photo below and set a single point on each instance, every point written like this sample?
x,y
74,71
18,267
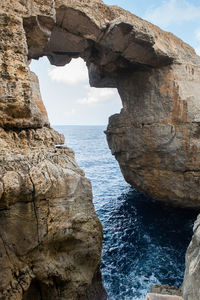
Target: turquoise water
x,y
144,241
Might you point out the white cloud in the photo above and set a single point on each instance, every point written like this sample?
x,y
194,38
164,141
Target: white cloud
x,y
70,112
71,74
97,95
172,12
197,36
197,50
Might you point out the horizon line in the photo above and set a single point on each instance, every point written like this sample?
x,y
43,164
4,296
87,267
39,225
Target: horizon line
x,y
78,125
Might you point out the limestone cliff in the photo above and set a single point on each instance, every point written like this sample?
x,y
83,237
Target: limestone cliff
x,y
50,235
155,137
191,284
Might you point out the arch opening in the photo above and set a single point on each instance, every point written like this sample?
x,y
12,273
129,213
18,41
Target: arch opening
x,y
132,227
69,99
146,137
155,138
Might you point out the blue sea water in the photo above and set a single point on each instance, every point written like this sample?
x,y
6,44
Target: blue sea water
x,y
144,241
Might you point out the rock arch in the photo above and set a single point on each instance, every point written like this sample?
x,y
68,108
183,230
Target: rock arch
x,y
155,138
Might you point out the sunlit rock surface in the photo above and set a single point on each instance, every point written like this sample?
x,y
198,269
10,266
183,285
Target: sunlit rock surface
x,y
191,284
50,234
152,296
155,137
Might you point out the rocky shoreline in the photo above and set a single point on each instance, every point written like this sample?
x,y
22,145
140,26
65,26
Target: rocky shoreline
x,y
50,236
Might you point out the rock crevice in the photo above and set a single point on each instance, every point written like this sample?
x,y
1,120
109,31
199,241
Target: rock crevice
x,y
51,238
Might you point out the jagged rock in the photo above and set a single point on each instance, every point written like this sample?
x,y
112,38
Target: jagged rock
x,y
165,289
38,106
152,296
50,236
191,286
155,137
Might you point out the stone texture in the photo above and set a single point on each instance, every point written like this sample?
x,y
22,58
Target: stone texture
x,y
165,289
155,137
191,286
152,296
50,236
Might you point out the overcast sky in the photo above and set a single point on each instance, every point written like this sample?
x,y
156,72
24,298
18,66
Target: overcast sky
x,y
65,90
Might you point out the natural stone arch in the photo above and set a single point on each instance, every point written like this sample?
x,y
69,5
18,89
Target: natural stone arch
x,y
154,138
156,143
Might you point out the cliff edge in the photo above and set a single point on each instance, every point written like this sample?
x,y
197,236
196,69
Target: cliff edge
x,y
50,236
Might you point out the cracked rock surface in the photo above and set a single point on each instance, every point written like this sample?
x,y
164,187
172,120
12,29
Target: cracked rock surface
x,y
191,287
50,236
155,138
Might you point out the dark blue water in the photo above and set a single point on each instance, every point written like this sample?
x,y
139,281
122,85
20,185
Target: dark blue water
x,y
144,241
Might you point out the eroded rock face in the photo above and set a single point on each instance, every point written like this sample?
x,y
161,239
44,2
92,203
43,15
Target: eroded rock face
x,y
191,287
155,137
50,235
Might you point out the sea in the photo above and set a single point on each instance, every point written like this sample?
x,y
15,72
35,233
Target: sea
x,y
144,241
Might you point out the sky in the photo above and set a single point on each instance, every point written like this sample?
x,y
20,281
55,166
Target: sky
x,y
66,93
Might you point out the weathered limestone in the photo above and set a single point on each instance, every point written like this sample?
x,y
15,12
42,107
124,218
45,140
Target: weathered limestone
x,y
166,289
191,286
155,137
50,236
152,296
